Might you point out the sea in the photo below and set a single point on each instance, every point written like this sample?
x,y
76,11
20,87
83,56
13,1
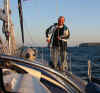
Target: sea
x,y
78,58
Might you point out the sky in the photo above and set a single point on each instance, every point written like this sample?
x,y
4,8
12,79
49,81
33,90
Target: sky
x,y
82,18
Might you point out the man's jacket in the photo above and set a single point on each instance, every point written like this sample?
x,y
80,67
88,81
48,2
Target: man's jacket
x,y
54,32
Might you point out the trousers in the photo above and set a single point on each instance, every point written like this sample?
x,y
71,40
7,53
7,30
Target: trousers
x,y
59,58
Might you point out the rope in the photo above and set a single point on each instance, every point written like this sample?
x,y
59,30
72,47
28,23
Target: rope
x,y
57,8
5,50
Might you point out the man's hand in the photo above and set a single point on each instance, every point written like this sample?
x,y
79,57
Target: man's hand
x,y
48,40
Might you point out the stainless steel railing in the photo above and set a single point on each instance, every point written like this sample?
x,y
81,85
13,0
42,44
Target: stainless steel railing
x,y
84,66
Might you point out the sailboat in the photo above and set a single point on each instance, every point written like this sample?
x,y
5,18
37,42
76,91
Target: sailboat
x,y
20,73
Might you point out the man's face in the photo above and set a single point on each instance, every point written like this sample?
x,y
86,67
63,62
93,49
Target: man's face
x,y
61,21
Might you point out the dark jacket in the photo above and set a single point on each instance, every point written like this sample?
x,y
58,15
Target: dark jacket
x,y
57,32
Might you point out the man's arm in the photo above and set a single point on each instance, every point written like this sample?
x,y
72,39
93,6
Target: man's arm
x,y
51,30
48,34
66,34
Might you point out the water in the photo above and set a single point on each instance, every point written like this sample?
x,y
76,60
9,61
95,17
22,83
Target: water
x,y
77,59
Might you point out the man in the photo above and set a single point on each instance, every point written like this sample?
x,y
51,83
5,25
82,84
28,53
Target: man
x,y
57,36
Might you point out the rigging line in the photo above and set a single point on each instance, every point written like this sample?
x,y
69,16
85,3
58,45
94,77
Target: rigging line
x,y
50,46
59,47
28,32
57,8
31,39
21,18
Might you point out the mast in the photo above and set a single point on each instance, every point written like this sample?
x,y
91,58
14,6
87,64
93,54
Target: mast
x,y
6,9
9,46
21,19
8,28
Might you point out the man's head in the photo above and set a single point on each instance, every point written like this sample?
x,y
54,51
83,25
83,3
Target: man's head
x,y
61,20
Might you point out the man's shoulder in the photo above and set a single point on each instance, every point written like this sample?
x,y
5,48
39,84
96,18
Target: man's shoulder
x,y
55,24
65,27
52,27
